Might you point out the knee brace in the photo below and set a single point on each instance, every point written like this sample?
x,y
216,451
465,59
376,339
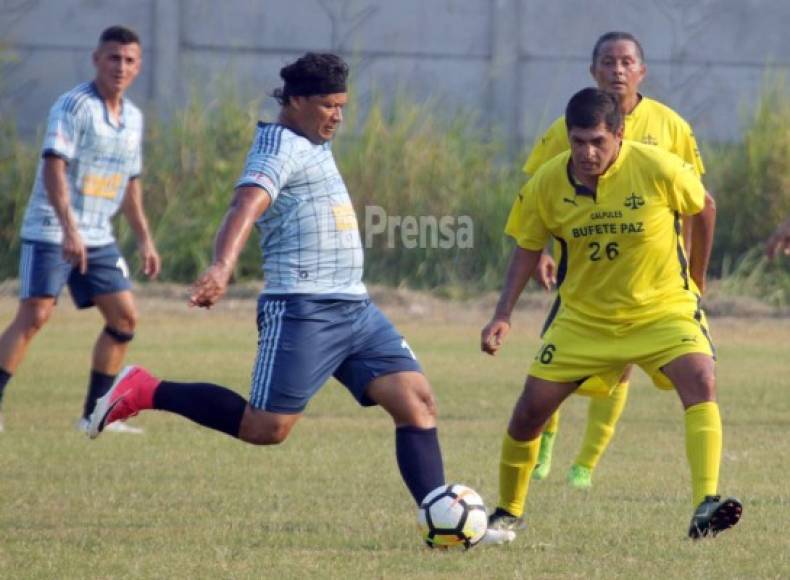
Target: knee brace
x,y
118,335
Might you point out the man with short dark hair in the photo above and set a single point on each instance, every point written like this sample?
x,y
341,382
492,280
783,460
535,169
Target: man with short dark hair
x,y
315,318
615,208
618,67
89,169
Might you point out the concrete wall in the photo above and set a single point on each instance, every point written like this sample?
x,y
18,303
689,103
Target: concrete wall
x,y
513,63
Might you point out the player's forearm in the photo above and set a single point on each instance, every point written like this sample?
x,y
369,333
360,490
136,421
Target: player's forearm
x,y
57,189
134,213
247,206
522,265
703,226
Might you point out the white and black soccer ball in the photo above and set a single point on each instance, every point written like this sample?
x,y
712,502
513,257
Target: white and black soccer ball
x,y
452,515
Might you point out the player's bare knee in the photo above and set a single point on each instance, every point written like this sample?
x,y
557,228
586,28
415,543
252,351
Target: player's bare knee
x,y
33,317
525,427
126,322
427,402
275,436
705,384
268,433
422,408
526,422
432,407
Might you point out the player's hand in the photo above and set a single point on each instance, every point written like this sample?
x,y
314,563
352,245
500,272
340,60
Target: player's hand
x,y
74,251
493,335
210,286
779,241
546,272
150,261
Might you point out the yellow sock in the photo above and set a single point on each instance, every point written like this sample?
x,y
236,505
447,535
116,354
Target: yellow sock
x,y
515,467
602,417
553,423
703,448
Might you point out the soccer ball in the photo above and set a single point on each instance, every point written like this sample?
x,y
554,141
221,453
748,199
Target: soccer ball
x,y
452,516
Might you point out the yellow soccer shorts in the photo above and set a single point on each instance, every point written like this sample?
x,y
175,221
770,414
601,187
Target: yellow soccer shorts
x,y
577,349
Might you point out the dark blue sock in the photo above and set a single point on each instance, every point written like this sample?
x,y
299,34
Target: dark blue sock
x,y
98,386
419,460
5,376
209,405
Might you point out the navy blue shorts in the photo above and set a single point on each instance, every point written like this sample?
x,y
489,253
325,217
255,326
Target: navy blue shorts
x,y
303,340
43,272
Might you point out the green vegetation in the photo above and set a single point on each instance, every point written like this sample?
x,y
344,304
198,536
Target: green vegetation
x,y
184,502
191,162
409,160
17,171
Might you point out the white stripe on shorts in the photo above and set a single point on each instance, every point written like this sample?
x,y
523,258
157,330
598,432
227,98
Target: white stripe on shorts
x,y
271,326
279,326
25,271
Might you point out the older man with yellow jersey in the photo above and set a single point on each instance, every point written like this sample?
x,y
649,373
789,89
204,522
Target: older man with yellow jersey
x,y
625,296
618,68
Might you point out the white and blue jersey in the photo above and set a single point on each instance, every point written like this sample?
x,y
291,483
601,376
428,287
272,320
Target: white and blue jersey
x,y
102,157
309,235
314,317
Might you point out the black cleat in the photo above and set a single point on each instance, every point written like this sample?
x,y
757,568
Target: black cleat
x,y
714,515
504,520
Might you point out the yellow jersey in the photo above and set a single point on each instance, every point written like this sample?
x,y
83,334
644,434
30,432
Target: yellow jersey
x,y
621,256
650,122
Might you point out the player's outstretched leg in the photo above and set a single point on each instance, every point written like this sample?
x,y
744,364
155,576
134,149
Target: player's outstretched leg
x,y
132,391
135,390
602,417
547,438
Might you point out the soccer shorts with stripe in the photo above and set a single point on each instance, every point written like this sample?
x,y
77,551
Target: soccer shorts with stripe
x,y
305,339
595,353
43,272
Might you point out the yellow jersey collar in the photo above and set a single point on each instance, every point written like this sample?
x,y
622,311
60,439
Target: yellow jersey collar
x,y
633,112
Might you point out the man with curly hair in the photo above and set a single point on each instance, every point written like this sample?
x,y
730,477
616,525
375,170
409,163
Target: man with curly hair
x,y
315,318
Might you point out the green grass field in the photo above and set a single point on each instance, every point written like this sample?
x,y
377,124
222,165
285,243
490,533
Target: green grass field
x,y
183,502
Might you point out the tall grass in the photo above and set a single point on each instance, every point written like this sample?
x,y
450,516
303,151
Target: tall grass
x,y
754,276
412,164
404,160
751,179
191,162
17,170
410,160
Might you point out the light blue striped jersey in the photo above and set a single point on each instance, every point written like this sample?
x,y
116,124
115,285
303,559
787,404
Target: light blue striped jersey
x,y
102,156
309,235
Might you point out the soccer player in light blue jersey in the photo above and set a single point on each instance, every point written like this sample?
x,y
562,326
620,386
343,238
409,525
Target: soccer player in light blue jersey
x,y
89,169
315,318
